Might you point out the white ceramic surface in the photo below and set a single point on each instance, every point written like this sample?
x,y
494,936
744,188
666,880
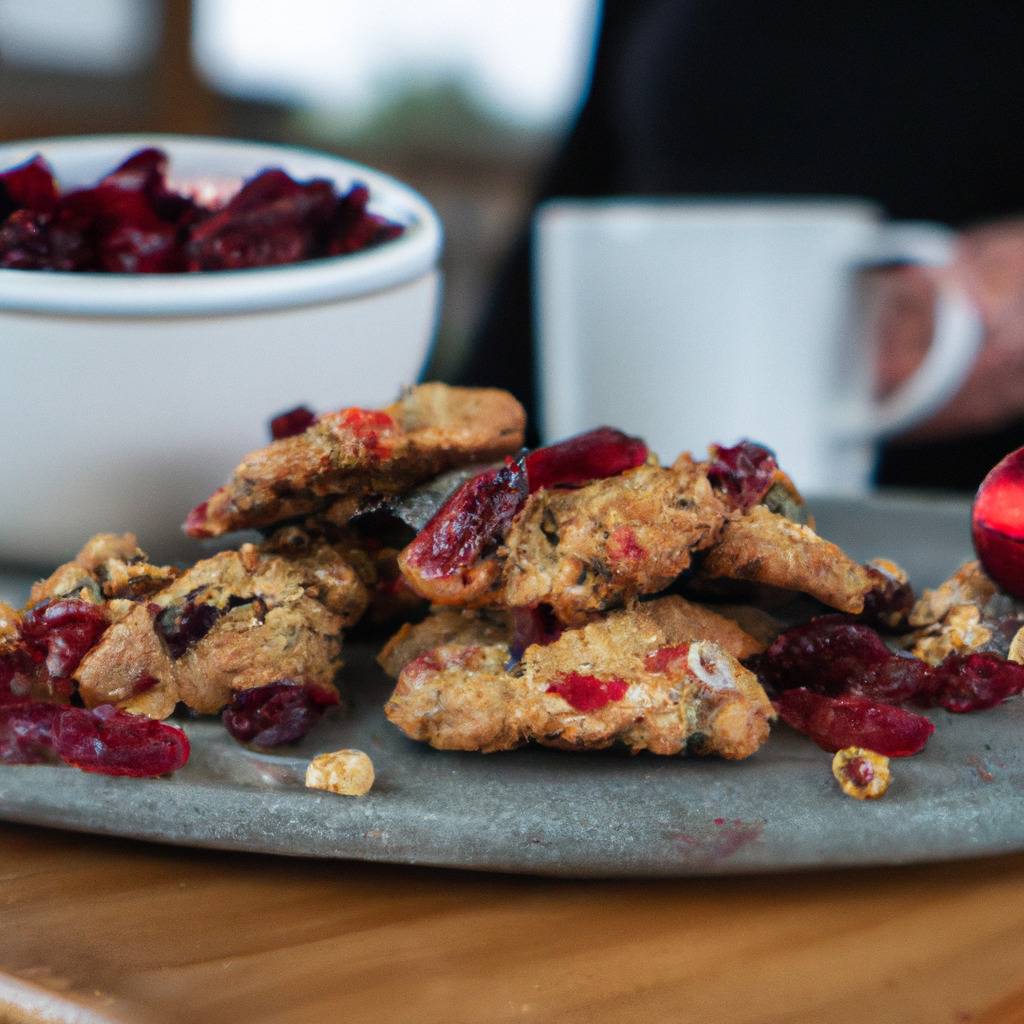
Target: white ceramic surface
x,y
126,399
697,320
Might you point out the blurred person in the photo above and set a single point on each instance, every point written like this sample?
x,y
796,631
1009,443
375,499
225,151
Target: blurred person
x,y
918,107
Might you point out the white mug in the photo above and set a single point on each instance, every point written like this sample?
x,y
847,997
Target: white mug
x,y
698,321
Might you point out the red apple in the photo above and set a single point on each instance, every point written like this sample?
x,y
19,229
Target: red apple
x,y
997,523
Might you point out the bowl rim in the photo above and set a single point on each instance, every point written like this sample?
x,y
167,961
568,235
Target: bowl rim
x,y
328,279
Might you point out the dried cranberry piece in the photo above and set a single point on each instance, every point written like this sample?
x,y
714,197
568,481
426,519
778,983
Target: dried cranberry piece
x,y
292,423
73,239
594,455
674,656
29,186
22,673
25,241
835,656
889,601
623,546
281,712
10,665
588,693
744,472
145,173
859,771
273,219
144,683
371,426
132,222
132,217
182,625
479,511
532,626
26,732
62,632
195,521
476,513
119,223
353,227
837,722
112,742
147,248
973,682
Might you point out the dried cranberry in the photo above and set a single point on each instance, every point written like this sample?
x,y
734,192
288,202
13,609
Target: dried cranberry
x,y
532,626
63,632
623,546
120,217
182,625
281,712
594,455
479,511
859,771
664,658
744,472
195,521
132,222
474,515
835,656
889,601
146,248
144,683
272,220
371,426
73,239
997,522
112,742
25,241
837,722
588,693
20,669
973,682
29,186
353,227
26,732
144,171
292,423
10,663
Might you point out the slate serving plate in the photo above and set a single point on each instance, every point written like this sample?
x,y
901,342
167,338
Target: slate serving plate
x,y
547,812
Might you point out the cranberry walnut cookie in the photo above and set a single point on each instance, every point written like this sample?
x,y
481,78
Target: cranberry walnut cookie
x,y
146,637
576,580
635,676
343,460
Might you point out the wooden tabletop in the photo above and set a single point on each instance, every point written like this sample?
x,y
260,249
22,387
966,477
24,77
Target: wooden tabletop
x,y
97,930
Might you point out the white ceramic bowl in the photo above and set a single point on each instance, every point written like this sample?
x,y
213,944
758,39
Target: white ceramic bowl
x,y
126,399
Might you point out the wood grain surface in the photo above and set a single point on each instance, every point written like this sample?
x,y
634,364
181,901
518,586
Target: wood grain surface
x,y
98,930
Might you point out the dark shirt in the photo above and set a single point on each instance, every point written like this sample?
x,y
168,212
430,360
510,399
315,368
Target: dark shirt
x,y
916,105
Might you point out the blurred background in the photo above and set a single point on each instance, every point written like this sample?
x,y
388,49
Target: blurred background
x,y
915,107
462,100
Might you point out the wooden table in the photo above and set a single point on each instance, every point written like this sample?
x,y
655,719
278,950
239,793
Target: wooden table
x,y
97,930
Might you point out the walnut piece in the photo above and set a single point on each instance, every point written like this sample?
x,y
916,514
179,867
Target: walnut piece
x,y
345,772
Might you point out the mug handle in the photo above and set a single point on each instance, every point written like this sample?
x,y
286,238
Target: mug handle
x,y
957,338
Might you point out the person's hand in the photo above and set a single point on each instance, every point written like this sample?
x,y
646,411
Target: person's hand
x,y
990,266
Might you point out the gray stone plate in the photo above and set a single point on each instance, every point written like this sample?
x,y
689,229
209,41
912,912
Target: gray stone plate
x,y
547,812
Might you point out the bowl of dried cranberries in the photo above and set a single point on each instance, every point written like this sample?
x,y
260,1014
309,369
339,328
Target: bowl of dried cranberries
x,y
161,296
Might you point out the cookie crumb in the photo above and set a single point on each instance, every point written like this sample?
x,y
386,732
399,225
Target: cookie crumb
x,y
345,772
862,774
1016,652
